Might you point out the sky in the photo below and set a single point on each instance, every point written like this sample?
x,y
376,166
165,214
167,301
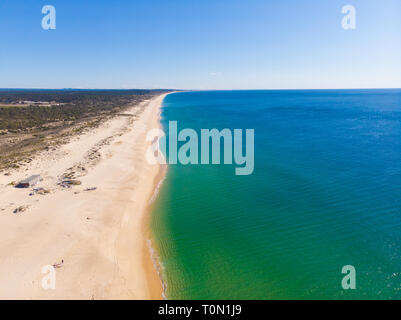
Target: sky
x,y
200,44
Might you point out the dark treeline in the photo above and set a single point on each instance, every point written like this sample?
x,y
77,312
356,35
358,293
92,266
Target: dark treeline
x,y
74,105
68,95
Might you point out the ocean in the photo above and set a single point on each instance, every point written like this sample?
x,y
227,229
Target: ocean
x,y
325,193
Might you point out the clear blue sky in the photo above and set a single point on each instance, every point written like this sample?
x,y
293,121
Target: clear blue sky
x,y
200,44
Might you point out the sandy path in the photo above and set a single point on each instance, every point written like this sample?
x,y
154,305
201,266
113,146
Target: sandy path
x,y
99,235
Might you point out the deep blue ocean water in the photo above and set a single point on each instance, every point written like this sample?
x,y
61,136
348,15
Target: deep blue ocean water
x,y
325,193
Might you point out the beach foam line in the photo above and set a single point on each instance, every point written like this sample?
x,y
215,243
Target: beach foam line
x,y
158,267
157,190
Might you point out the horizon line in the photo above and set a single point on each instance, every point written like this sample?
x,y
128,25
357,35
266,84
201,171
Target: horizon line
x,y
177,89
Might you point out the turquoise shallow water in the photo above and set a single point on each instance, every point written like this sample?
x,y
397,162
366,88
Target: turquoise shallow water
x,y
326,192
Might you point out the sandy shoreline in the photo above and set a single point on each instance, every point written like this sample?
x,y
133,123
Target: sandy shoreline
x,y
96,238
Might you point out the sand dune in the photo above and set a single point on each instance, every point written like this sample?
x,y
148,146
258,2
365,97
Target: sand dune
x,y
94,231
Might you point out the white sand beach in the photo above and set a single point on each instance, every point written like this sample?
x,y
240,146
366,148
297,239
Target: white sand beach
x,y
95,233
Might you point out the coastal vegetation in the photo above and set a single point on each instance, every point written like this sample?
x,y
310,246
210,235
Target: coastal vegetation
x,y
33,120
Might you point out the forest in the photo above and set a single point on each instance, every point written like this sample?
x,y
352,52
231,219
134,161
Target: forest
x,y
63,105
